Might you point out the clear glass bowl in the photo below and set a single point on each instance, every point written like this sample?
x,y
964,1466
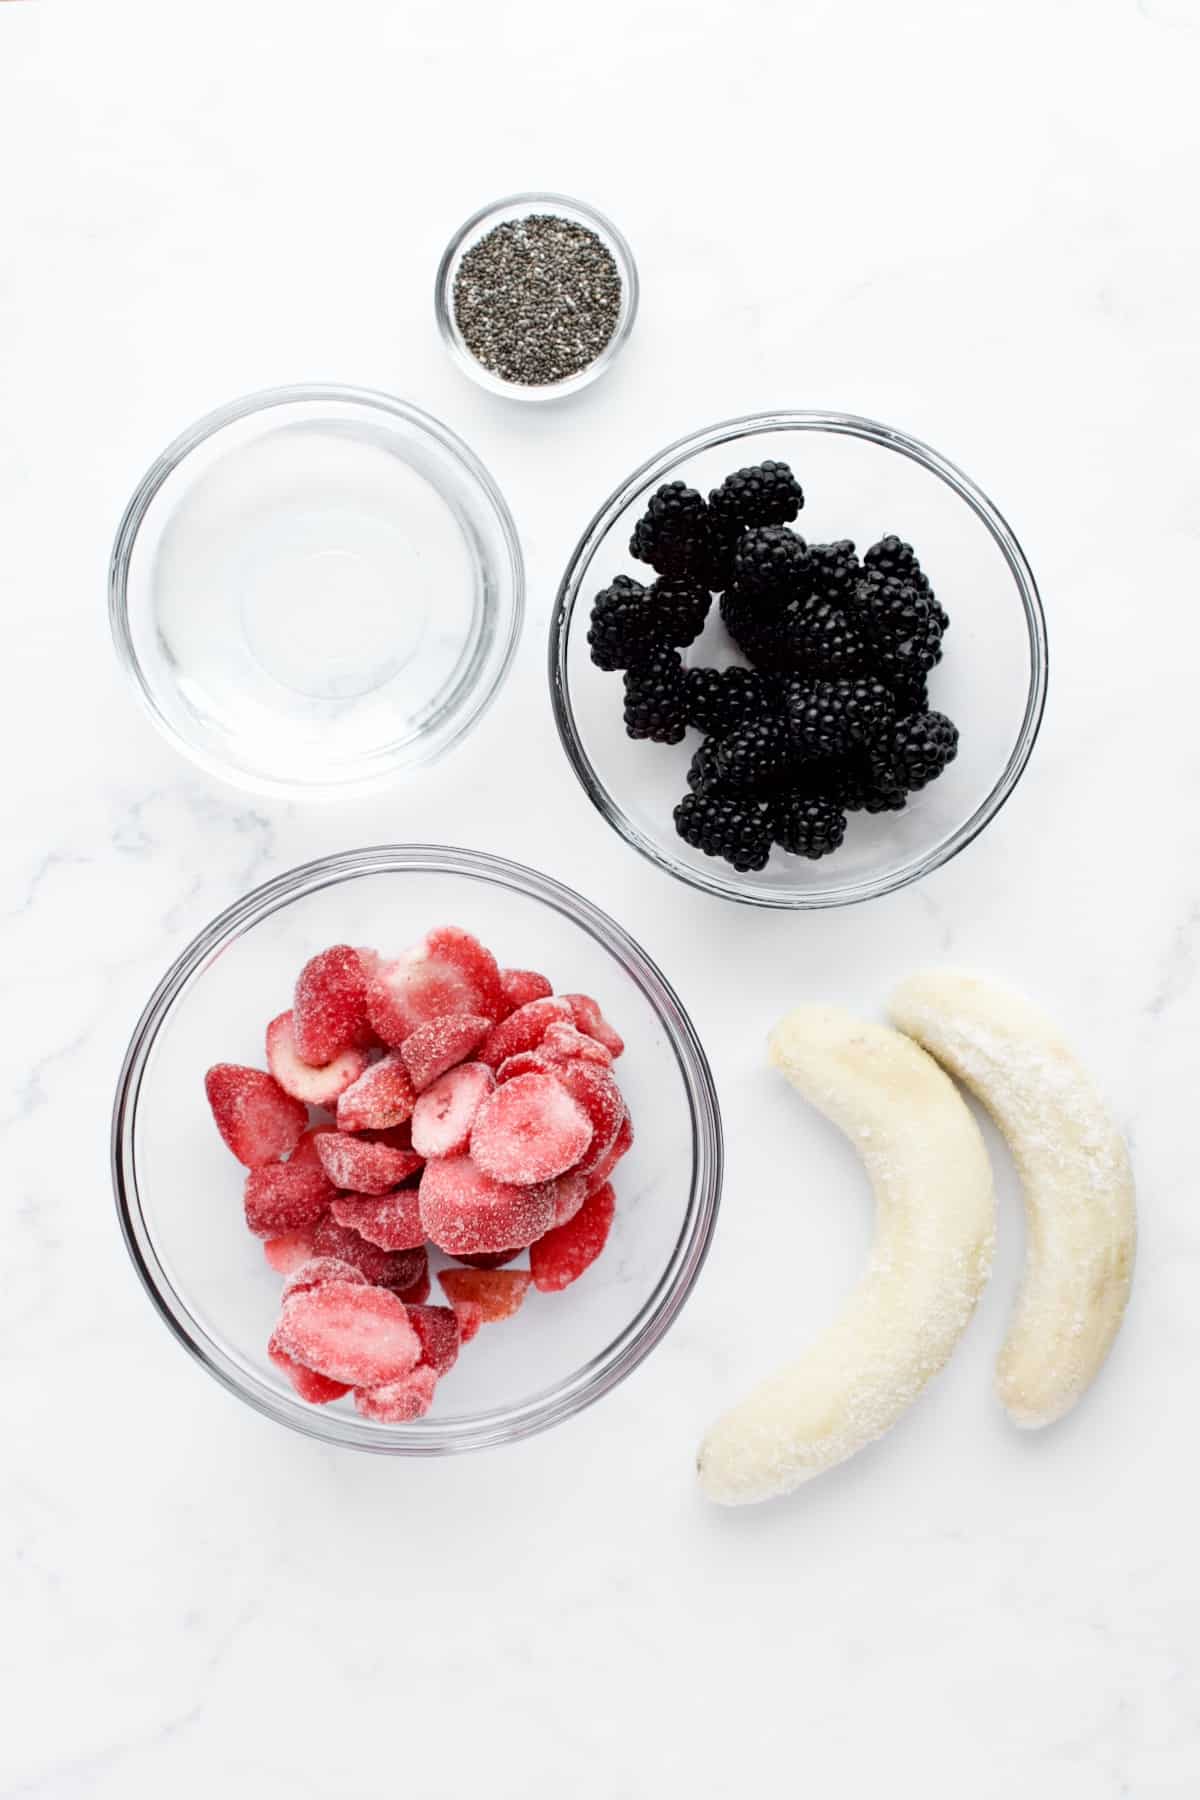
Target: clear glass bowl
x,y
315,589
520,206
179,1191
861,480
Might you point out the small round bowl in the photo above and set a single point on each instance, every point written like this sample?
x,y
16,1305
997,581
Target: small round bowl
x,y
314,590
861,480
520,206
179,1191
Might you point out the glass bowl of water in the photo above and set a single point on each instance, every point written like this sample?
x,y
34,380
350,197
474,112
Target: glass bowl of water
x,y
315,589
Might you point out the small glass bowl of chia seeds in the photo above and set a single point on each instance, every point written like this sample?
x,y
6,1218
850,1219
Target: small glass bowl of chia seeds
x,y
536,295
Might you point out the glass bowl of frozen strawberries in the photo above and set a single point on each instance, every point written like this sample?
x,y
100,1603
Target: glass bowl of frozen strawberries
x,y
416,1150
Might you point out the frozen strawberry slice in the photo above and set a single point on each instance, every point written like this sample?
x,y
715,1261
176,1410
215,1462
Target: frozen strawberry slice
x,y
437,1328
447,972
497,1292
290,1250
462,1209
398,1269
563,1043
444,1114
599,1098
523,1030
488,1259
279,1198
364,1165
519,986
305,1155
414,1293
532,1128
330,1005
393,1221
469,1314
570,1191
449,943
589,1019
398,1402
525,1062
308,1384
322,1268
561,1257
360,1335
442,1045
315,1085
258,1121
604,1168
381,1097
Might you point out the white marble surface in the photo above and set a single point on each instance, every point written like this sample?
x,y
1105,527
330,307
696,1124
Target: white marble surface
x,y
977,221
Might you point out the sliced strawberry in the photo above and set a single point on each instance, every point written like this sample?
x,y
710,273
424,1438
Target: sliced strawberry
x,y
524,1030
462,1209
604,1168
451,944
447,972
437,1328
398,1402
330,1005
497,1292
364,1165
318,1389
532,1128
415,1293
258,1121
360,1335
315,1085
442,1045
290,1249
279,1198
570,1191
561,1257
305,1155
469,1314
322,1268
398,1269
444,1114
563,1043
598,1096
488,1259
525,1062
519,986
589,1019
393,1221
381,1097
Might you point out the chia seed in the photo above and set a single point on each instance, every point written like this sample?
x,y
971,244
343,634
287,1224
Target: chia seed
x,y
537,299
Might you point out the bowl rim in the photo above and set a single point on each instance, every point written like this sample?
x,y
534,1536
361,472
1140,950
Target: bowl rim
x,y
538,1412
733,887
477,698
443,305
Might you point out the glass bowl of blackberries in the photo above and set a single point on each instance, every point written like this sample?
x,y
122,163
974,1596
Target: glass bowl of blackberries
x,y
798,660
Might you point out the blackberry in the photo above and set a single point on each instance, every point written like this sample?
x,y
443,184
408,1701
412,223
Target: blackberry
x,y
835,571
921,746
622,628
672,534
760,628
656,698
824,640
771,559
806,825
719,699
892,556
865,782
734,829
703,776
767,494
901,628
755,757
797,634
826,718
680,603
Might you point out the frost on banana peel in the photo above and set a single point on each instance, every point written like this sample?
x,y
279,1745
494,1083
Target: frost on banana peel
x,y
929,1261
933,1237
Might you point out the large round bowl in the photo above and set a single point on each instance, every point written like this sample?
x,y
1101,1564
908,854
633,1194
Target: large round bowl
x,y
179,1191
315,590
861,480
